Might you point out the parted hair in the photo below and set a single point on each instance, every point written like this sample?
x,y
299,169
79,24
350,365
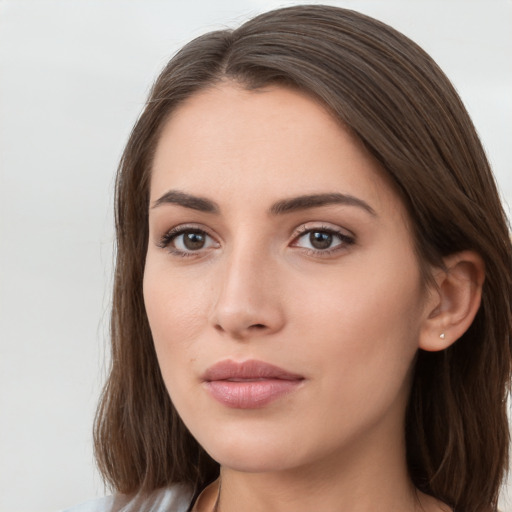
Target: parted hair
x,y
391,95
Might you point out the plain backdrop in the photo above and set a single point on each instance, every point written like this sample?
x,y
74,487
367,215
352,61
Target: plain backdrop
x,y
74,75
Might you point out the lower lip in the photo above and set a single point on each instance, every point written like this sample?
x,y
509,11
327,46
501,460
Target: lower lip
x,y
250,394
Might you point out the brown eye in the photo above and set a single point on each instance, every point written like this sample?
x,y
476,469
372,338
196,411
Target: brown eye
x,y
194,240
323,241
320,239
187,241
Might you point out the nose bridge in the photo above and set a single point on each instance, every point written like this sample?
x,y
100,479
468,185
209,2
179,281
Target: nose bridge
x,y
247,302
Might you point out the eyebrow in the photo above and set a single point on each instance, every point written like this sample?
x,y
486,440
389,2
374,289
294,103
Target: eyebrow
x,y
188,201
316,200
280,207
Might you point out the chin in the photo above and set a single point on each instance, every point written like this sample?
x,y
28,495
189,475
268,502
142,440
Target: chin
x,y
251,461
249,451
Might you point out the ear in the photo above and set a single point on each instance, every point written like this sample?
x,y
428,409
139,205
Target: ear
x,y
453,304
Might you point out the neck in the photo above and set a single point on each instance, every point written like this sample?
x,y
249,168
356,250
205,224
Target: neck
x,y
326,488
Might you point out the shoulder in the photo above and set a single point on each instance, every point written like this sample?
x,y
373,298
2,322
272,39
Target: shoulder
x,y
175,498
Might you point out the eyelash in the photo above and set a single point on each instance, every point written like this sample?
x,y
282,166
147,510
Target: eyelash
x,y
345,240
167,239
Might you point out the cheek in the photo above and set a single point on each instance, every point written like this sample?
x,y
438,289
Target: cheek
x,y
360,341
177,310
364,319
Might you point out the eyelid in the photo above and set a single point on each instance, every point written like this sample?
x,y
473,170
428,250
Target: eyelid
x,y
322,226
164,241
346,237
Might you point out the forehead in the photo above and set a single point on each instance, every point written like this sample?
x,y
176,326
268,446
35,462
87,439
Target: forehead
x,y
230,143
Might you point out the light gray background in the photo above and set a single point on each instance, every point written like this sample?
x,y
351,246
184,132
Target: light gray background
x,y
73,77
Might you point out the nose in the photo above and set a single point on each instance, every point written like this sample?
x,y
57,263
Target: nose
x,y
249,302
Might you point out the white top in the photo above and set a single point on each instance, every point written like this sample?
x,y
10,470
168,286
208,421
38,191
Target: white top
x,y
172,499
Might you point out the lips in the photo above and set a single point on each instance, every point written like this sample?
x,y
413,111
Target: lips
x,y
249,384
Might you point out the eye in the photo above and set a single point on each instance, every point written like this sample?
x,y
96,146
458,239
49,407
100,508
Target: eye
x,y
185,241
323,240
191,241
320,239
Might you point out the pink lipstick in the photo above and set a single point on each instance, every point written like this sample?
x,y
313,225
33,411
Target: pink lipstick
x,y
249,384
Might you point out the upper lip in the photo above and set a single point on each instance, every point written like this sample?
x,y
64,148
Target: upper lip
x,y
247,370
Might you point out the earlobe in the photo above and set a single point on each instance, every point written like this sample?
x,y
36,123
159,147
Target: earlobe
x,y
454,302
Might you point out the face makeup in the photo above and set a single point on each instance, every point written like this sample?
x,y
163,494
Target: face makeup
x,y
281,283
249,384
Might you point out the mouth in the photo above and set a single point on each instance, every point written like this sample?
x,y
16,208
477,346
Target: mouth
x,y
250,384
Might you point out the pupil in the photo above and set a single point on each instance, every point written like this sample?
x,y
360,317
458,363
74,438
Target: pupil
x,y
320,240
193,241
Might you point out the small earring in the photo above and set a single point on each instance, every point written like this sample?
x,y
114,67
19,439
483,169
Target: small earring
x,y
442,336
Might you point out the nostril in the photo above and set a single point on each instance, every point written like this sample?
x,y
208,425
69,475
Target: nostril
x,y
257,326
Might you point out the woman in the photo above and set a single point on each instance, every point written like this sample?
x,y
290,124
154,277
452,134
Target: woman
x,y
313,282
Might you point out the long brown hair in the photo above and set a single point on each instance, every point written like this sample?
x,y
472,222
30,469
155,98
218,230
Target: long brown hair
x,y
396,100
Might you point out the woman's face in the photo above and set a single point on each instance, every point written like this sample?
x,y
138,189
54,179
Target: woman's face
x,y
281,284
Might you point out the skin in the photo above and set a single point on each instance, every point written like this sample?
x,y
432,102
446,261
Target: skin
x,y
349,319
